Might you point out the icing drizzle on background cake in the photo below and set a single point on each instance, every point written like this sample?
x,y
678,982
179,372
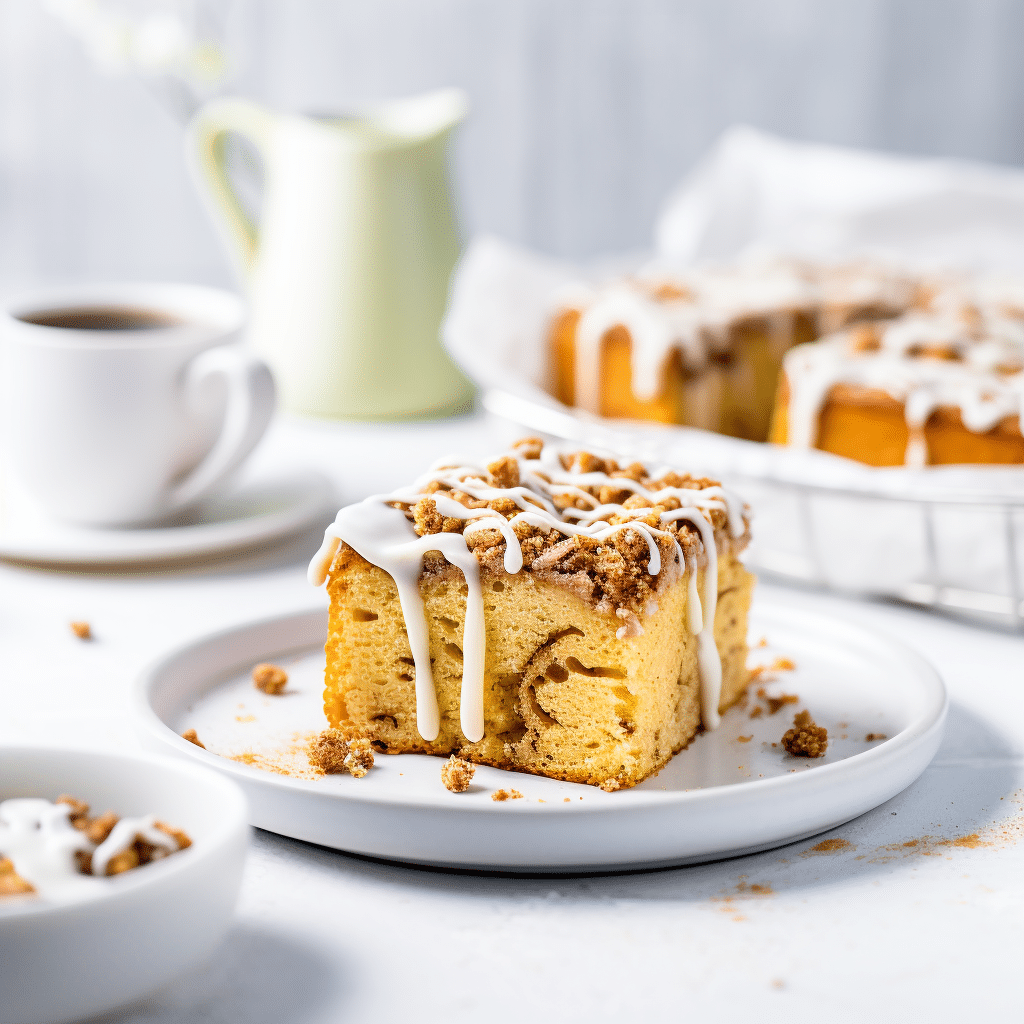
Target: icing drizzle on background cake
x,y
959,355
385,537
692,310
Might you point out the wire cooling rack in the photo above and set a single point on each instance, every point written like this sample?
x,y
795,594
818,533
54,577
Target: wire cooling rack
x,y
984,583
932,586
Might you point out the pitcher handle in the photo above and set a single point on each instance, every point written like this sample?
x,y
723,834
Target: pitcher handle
x,y
251,398
205,154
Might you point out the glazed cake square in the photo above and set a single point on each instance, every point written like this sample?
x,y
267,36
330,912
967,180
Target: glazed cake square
x,y
549,612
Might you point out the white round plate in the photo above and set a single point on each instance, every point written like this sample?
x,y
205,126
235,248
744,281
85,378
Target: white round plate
x,y
254,512
730,792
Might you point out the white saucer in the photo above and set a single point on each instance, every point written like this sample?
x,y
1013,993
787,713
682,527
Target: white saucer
x,y
719,797
258,510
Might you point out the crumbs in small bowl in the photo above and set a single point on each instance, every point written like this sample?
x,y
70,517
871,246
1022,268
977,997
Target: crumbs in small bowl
x,y
806,738
270,679
47,848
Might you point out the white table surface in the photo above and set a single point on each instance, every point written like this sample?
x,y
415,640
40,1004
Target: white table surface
x,y
881,931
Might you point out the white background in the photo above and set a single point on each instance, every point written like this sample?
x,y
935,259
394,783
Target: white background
x,y
585,112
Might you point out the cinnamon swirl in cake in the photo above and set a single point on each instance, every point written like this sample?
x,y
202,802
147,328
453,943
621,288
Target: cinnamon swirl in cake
x,y
549,611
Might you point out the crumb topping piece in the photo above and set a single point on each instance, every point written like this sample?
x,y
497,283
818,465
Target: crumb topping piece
x,y
81,629
535,491
335,754
11,883
805,739
776,704
500,795
269,678
457,774
193,737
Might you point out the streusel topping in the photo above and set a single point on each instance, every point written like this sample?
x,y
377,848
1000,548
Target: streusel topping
x,y
611,571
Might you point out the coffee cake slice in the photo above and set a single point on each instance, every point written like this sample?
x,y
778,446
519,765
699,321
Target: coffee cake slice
x,y
550,612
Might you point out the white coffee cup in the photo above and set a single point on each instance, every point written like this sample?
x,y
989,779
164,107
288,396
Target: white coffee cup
x,y
127,403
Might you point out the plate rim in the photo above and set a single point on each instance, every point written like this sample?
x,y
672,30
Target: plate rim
x,y
314,496
920,730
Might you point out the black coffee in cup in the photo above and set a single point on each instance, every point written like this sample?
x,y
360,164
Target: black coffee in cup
x,y
102,318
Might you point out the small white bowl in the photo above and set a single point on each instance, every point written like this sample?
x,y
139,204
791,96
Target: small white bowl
x,y
64,962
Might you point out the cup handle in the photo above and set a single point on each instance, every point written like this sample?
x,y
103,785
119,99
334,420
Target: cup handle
x,y
205,154
251,398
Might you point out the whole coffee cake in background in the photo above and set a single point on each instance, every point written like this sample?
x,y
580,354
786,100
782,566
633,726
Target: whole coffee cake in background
x,y
702,346
937,386
550,611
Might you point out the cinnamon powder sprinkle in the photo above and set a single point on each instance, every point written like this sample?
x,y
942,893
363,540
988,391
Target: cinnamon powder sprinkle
x,y
805,739
506,794
457,774
830,846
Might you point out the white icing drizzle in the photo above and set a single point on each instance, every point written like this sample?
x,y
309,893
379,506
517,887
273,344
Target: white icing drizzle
x,y
41,841
124,834
669,308
984,379
38,837
384,537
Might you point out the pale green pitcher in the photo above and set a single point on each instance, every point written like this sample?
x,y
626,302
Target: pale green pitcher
x,y
348,268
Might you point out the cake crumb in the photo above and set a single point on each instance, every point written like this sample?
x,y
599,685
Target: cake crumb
x,y
756,711
610,785
269,678
566,800
193,737
333,754
457,774
81,629
79,809
776,704
744,739
805,739
11,883
872,736
99,829
506,794
178,835
783,665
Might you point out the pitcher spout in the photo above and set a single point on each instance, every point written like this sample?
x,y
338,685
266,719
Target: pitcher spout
x,y
418,118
